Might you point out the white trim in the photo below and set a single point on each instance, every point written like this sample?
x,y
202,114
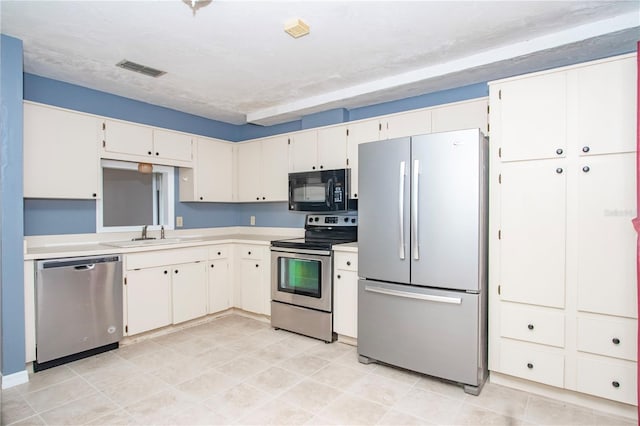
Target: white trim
x,y
15,379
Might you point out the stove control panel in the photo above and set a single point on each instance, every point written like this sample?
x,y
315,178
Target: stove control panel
x,y
333,220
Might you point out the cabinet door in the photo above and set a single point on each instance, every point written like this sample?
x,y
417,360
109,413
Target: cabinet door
x,y
214,170
274,166
532,234
189,289
345,303
219,285
532,117
148,299
60,154
464,115
251,285
303,151
606,107
172,145
332,148
606,240
125,138
361,132
408,124
249,171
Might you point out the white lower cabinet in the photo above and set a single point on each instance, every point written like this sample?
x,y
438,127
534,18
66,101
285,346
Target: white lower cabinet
x,y
219,279
533,362
254,279
608,378
148,293
345,294
189,290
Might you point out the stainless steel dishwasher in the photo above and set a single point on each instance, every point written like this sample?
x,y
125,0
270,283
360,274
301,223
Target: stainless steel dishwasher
x,y
78,308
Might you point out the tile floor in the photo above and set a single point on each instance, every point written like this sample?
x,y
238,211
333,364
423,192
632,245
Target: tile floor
x,y
237,370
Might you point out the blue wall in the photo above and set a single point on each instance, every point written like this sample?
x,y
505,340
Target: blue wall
x,y
46,217
11,211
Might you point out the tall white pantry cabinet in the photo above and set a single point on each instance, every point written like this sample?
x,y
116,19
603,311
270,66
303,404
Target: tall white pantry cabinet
x,y
562,247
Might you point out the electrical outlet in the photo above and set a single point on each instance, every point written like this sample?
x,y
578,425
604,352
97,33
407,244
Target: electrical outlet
x,y
179,221
252,220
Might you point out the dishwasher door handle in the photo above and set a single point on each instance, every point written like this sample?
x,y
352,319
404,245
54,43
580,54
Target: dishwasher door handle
x,y
85,267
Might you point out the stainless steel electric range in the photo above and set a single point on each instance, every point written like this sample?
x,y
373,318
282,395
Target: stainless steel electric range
x,y
302,275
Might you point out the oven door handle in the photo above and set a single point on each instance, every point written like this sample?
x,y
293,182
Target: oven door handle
x,y
301,251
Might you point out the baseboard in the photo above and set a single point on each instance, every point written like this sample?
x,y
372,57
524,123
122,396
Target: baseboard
x,y
15,379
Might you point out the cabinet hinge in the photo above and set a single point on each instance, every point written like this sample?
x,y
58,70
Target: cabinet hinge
x,y
288,141
488,127
379,126
500,178
347,132
104,126
499,234
126,328
104,144
499,289
499,152
125,280
347,161
500,94
488,109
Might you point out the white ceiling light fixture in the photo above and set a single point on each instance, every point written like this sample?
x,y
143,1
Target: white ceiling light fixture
x,y
296,28
196,4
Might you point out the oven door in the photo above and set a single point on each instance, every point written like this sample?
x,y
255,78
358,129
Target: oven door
x,y
301,277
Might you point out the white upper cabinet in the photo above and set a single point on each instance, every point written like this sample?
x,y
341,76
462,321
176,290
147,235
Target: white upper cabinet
x,y
359,132
262,172
533,117
303,151
605,105
461,115
60,153
136,142
332,147
211,178
407,124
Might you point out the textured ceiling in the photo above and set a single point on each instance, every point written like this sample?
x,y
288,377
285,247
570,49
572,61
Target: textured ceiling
x,y
233,62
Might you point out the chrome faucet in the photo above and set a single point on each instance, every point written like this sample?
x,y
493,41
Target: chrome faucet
x,y
144,232
162,232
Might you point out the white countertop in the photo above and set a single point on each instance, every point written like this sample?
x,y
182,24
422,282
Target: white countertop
x,y
54,246
347,247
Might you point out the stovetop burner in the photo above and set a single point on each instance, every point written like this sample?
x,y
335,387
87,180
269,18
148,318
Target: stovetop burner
x,y
323,231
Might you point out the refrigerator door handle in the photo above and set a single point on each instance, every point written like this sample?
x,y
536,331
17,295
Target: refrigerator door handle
x,y
414,209
401,208
407,295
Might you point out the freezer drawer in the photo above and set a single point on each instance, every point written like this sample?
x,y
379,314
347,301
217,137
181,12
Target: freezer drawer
x,y
435,332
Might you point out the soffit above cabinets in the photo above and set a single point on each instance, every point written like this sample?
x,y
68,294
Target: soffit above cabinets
x,y
232,61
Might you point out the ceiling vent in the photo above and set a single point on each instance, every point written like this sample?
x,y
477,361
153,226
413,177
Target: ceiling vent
x,y
296,28
132,66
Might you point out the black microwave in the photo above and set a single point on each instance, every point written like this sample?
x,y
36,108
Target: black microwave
x,y
320,191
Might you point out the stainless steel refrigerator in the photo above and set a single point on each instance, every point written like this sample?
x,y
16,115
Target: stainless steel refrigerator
x,y
422,255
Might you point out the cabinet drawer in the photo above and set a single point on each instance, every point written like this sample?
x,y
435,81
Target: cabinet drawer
x,y
610,337
532,324
532,362
218,252
346,261
251,252
608,378
165,257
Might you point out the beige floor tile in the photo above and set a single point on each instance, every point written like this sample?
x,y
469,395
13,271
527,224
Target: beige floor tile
x,y
217,356
379,389
274,380
322,421
506,401
59,394
602,419
309,395
158,408
351,410
173,339
304,364
442,387
206,385
30,421
296,343
470,415
550,412
194,346
330,351
80,411
46,378
137,349
399,374
181,372
277,414
14,407
430,406
274,353
162,358
199,415
241,368
115,418
397,418
97,362
137,387
238,401
107,377
338,376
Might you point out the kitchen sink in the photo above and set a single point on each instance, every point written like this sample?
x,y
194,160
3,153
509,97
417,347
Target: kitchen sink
x,y
143,243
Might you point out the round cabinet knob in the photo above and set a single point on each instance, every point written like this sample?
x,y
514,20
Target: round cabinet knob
x,y
355,195
176,271
258,198
615,384
157,153
213,266
257,266
149,152
263,198
95,195
559,170
529,366
249,253
615,341
219,253
586,169
348,263
313,168
201,198
559,151
585,149
321,166
166,272
338,276
530,326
